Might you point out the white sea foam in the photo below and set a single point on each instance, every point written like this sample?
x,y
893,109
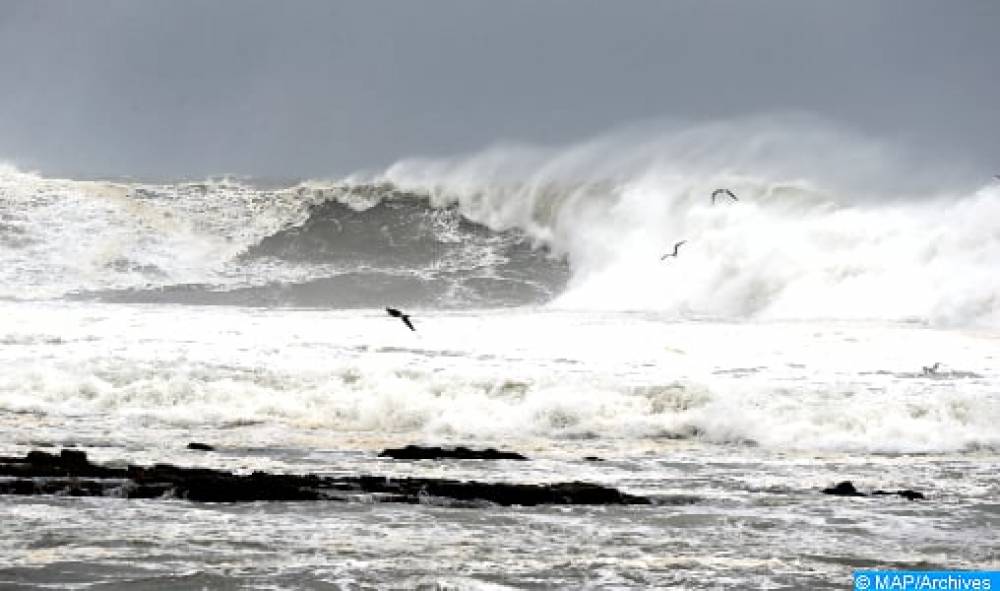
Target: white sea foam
x,y
539,376
829,225
62,235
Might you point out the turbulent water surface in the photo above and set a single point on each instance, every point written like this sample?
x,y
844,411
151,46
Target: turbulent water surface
x,y
781,352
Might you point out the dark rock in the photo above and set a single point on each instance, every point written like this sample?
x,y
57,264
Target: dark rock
x,y
42,473
416,452
562,493
73,457
200,446
41,458
67,463
844,489
909,495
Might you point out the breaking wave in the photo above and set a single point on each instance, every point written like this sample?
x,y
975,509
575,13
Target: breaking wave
x,y
329,244
828,225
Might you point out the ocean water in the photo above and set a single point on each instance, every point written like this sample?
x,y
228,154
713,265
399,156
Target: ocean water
x,y
783,351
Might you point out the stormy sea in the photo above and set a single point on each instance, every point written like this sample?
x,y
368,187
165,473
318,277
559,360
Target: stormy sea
x,y
835,318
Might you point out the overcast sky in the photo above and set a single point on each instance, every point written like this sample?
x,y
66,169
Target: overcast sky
x,y
306,88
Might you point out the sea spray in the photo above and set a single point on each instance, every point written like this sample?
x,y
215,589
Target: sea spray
x,y
829,224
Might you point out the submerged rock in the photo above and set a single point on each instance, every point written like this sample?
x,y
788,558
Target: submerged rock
x,y
416,452
909,495
71,474
846,489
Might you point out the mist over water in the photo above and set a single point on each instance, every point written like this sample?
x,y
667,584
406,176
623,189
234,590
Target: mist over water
x,y
829,225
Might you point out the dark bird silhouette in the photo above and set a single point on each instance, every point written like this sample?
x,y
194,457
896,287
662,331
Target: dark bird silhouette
x,y
404,317
677,247
929,371
725,192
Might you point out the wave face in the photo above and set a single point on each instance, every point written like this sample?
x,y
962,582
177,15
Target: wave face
x,y
828,225
332,244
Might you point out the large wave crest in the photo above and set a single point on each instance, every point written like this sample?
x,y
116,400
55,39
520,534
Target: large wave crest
x,y
829,224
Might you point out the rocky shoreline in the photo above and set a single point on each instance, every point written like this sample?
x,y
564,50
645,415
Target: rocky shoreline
x,y
70,473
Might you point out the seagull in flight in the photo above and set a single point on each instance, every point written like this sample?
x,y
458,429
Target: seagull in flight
x,y
404,317
725,192
677,246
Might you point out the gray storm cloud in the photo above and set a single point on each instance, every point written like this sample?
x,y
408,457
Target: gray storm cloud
x,y
308,88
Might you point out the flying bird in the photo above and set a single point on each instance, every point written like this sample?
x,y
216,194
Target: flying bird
x,y
404,317
677,247
726,192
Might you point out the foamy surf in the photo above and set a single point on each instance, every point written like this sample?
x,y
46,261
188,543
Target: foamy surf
x,y
504,377
828,225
